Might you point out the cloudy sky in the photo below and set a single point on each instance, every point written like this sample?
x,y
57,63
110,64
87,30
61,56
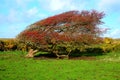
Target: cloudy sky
x,y
16,15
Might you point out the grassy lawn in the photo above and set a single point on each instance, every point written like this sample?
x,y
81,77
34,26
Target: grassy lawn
x,y
14,66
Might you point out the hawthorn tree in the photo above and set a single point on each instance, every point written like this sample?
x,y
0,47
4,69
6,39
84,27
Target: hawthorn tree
x,y
64,32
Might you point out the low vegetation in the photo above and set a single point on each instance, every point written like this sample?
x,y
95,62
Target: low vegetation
x,y
108,45
14,66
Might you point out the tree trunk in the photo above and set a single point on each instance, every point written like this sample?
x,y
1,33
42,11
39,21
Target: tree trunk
x,y
31,53
61,56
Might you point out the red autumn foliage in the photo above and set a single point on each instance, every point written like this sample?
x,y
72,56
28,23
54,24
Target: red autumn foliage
x,y
33,36
72,26
57,19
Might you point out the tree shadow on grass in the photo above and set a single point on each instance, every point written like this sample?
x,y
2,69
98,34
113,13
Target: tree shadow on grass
x,y
88,52
45,55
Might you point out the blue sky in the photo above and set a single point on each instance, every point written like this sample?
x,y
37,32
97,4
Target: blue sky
x,y
16,15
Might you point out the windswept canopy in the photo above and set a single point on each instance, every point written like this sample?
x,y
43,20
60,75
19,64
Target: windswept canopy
x,y
72,26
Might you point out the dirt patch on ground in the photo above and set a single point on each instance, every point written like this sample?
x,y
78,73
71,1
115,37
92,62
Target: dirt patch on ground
x,y
71,58
83,58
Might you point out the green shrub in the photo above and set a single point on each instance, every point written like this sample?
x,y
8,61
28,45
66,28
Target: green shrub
x,y
21,46
110,45
1,45
8,44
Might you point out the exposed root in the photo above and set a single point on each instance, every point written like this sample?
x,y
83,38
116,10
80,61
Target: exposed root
x,y
31,53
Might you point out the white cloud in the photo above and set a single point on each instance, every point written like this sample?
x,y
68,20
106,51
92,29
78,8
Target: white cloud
x,y
118,19
56,5
109,5
32,12
63,5
12,16
42,15
23,3
60,4
12,30
21,16
2,19
113,33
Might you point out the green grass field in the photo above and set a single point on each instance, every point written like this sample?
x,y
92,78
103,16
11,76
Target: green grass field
x,y
14,66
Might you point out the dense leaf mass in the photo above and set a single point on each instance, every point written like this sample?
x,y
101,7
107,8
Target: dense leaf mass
x,y
72,27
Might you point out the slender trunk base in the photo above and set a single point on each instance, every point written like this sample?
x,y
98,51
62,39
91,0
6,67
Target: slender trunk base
x,y
31,53
62,57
